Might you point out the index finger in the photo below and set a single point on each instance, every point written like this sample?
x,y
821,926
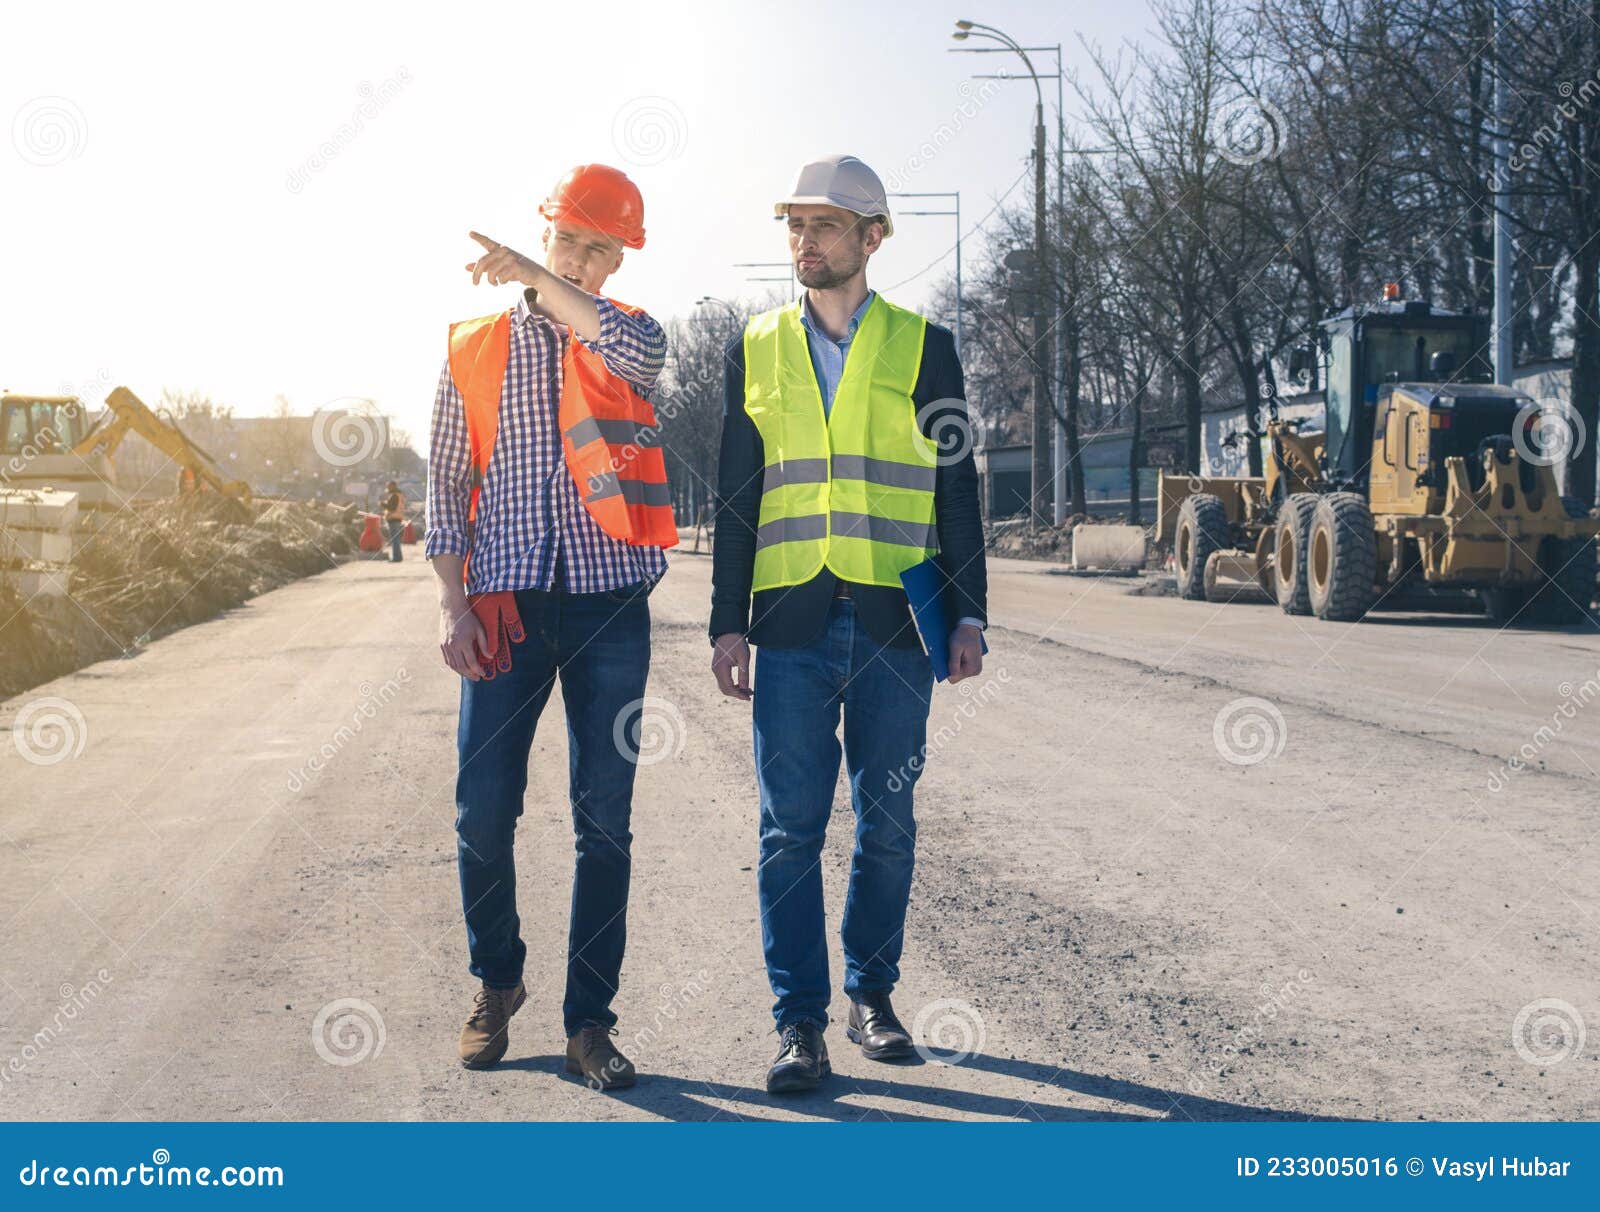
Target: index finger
x,y
484,240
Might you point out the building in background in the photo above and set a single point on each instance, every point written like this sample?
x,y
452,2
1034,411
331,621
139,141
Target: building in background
x,y
1006,476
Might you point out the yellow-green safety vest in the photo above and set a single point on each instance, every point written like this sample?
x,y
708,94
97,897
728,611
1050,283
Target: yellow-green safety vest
x,y
851,488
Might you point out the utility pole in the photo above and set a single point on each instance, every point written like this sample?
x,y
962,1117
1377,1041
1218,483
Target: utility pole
x,y
1039,333
1503,367
1043,412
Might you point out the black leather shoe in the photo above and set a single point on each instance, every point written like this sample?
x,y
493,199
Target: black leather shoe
x,y
802,1060
874,1026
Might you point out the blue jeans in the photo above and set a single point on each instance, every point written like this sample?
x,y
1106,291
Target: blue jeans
x,y
394,530
599,646
799,692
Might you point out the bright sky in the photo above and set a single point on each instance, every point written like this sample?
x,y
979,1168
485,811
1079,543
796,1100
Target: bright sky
x,y
173,216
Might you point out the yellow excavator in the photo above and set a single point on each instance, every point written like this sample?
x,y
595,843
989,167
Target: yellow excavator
x,y
49,441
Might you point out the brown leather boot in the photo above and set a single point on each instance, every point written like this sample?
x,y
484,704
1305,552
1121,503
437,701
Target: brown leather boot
x,y
593,1056
484,1038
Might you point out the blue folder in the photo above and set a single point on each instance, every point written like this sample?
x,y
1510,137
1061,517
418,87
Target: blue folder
x,y
924,586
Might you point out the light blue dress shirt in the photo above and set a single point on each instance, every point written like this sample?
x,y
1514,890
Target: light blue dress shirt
x,y
827,359
827,355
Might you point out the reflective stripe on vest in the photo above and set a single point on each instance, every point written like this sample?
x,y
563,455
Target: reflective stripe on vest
x,y
608,431
852,489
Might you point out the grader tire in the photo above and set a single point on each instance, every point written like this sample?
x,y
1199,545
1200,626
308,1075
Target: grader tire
x,y
1289,547
1567,567
1342,560
1506,604
1202,531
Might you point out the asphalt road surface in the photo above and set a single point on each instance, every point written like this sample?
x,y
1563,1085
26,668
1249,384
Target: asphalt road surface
x,y
1175,861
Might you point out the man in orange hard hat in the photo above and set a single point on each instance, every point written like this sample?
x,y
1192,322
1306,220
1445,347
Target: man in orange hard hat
x,y
548,510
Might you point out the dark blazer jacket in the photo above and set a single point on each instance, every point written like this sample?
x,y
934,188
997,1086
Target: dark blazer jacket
x,y
794,615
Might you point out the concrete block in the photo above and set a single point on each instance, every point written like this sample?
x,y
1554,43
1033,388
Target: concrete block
x,y
1107,546
38,508
48,546
37,582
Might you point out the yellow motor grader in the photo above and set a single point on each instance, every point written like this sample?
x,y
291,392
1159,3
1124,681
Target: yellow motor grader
x,y
1427,476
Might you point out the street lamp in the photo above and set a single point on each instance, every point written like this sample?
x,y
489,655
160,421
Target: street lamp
x,y
1041,374
955,196
704,299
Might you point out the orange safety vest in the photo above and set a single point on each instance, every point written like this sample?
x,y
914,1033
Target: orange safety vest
x,y
621,483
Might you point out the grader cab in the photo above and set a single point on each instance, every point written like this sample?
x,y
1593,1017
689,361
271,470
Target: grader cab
x,y
1426,476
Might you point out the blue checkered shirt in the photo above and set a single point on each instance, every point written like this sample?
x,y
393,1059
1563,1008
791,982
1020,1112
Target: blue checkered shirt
x,y
529,511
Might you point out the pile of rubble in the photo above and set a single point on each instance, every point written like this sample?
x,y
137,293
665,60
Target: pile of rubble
x,y
1020,539
140,572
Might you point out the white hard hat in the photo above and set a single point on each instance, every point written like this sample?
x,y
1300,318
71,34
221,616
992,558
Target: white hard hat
x,y
842,181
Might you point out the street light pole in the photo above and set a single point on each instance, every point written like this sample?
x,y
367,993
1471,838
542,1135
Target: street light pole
x,y
1064,441
1042,408
1042,427
1502,345
732,310
1058,446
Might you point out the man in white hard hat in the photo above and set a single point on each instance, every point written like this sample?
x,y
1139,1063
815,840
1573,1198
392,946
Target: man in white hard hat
x,y
846,459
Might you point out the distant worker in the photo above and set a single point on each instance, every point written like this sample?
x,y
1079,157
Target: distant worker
x,y
548,508
846,460
188,482
394,518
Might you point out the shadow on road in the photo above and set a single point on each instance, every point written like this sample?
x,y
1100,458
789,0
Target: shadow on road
x,y
685,1099
1477,622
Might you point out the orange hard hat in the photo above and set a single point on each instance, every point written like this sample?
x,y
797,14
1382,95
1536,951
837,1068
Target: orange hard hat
x,y
601,197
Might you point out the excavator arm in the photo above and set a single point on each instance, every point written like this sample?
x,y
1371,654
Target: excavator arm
x,y
131,414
